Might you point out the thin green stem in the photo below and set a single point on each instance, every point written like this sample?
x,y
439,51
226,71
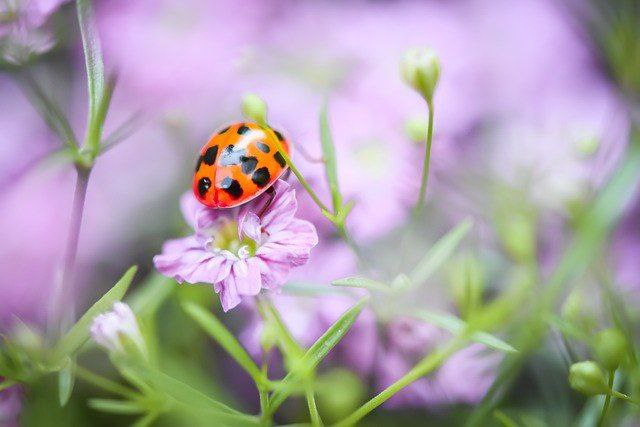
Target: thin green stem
x,y
607,400
325,210
104,383
427,162
316,421
265,418
424,367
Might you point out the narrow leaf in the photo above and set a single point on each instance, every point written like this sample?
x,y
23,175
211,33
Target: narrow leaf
x,y
288,343
362,282
329,158
189,397
439,253
66,380
92,55
457,326
79,333
221,334
316,353
125,407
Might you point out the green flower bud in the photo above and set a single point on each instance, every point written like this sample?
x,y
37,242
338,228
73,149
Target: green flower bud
x,y
420,69
587,147
416,128
610,347
587,378
340,391
518,235
575,311
255,108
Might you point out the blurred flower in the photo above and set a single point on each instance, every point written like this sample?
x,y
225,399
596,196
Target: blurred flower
x,y
240,252
116,329
21,32
10,406
464,378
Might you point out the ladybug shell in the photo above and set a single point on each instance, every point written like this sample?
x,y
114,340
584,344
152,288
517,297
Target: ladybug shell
x,y
240,162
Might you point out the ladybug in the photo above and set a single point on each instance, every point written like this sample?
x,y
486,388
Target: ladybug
x,y
240,162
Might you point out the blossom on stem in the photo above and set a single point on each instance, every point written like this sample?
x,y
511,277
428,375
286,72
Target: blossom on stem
x,y
240,251
115,329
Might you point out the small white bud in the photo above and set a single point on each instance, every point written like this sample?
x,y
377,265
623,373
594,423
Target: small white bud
x,y
117,329
420,69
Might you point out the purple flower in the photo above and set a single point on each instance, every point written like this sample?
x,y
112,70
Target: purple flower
x,y
112,328
21,35
240,251
465,377
10,405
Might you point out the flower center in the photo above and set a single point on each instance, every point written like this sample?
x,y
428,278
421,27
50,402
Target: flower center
x,y
225,237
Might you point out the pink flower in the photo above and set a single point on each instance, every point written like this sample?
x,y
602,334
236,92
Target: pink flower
x,y
240,251
10,405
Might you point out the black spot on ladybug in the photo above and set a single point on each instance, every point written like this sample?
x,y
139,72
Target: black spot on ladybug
x,y
261,177
210,155
231,156
243,129
224,130
281,161
232,187
203,186
279,135
198,163
248,164
263,147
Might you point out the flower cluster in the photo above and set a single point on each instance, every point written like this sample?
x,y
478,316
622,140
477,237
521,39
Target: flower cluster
x,y
240,251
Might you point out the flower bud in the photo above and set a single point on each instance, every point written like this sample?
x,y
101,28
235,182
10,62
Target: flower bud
x,y
416,128
340,391
420,69
255,108
118,331
587,378
518,235
610,347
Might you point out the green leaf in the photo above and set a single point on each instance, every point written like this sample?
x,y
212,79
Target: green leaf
x,y
439,253
362,282
288,343
79,333
316,353
151,294
124,407
190,397
329,158
457,326
92,56
147,420
66,380
221,334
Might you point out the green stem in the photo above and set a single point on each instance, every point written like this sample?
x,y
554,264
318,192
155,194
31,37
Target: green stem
x,y
316,421
325,210
265,418
424,367
427,162
103,383
607,400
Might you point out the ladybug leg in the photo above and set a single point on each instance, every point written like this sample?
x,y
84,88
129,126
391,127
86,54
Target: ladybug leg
x,y
271,192
308,156
286,175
